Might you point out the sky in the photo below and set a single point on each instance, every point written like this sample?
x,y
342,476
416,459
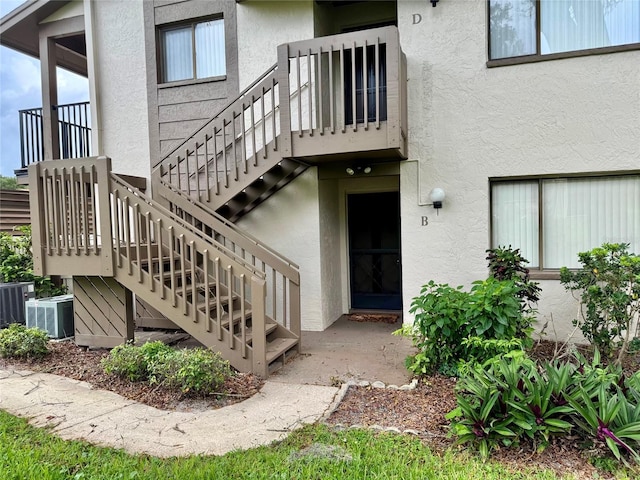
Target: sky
x,y
20,88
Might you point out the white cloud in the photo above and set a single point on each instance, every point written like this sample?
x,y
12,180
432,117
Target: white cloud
x,y
20,75
72,88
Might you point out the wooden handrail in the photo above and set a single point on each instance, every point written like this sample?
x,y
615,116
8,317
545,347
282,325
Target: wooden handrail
x,y
228,230
184,227
282,276
193,137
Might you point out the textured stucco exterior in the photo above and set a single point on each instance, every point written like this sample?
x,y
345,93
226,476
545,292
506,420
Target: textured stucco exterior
x,y
332,282
117,84
289,222
70,10
262,26
468,123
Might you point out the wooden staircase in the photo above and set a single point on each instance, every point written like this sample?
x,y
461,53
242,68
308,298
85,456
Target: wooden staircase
x,y
341,97
189,275
237,159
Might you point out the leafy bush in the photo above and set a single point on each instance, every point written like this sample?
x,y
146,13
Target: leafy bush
x,y
132,362
609,285
16,263
451,325
512,398
454,329
18,341
506,263
198,370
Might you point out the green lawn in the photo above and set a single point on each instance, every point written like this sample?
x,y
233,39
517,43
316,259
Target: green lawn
x,y
31,453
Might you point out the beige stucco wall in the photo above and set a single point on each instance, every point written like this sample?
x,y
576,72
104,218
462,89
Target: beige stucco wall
x,y
117,83
468,122
262,26
332,281
289,222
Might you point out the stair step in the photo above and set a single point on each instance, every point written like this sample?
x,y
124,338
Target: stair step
x,y
213,302
237,316
269,327
279,346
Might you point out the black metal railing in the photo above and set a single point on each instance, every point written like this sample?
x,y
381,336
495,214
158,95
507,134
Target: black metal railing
x,y
74,132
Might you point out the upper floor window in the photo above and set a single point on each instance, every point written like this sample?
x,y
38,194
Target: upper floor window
x,y
193,51
519,28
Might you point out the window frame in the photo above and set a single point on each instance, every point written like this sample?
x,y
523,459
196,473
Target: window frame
x,y
540,272
538,57
192,23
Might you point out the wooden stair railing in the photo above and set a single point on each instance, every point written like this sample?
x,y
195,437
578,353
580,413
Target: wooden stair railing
x,y
335,97
196,282
281,274
233,149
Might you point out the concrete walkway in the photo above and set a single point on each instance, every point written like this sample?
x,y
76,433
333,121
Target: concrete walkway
x,y
76,411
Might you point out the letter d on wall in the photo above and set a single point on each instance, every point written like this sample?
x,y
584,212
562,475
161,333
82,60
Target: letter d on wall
x,y
417,18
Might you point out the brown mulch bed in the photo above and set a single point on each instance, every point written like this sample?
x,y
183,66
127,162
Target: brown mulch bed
x,y
422,410
79,363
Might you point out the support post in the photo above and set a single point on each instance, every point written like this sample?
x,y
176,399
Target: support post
x,y
285,101
50,143
258,327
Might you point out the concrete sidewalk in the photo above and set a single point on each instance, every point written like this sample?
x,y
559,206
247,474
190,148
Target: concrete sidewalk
x,y
76,411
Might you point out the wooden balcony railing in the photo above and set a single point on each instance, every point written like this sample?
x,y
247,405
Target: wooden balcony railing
x,y
346,94
342,95
74,132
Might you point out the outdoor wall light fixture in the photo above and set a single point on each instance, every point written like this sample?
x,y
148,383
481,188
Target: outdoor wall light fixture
x,y
437,197
357,170
434,2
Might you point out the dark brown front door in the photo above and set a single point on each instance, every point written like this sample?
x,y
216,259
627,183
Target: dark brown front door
x,y
374,250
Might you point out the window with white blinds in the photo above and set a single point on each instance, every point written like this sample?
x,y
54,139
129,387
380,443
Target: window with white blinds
x,y
552,220
193,51
529,27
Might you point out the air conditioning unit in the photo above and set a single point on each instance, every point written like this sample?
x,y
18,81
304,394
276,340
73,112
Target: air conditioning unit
x,y
53,315
12,298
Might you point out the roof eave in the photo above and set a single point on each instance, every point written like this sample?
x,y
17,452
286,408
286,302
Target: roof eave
x,y
19,28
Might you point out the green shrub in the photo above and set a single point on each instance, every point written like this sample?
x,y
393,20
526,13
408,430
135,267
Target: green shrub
x,y
18,341
453,329
506,263
16,263
132,362
452,326
197,371
609,285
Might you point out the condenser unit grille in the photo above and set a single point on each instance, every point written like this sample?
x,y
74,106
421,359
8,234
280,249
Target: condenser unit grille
x,y
12,299
53,315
